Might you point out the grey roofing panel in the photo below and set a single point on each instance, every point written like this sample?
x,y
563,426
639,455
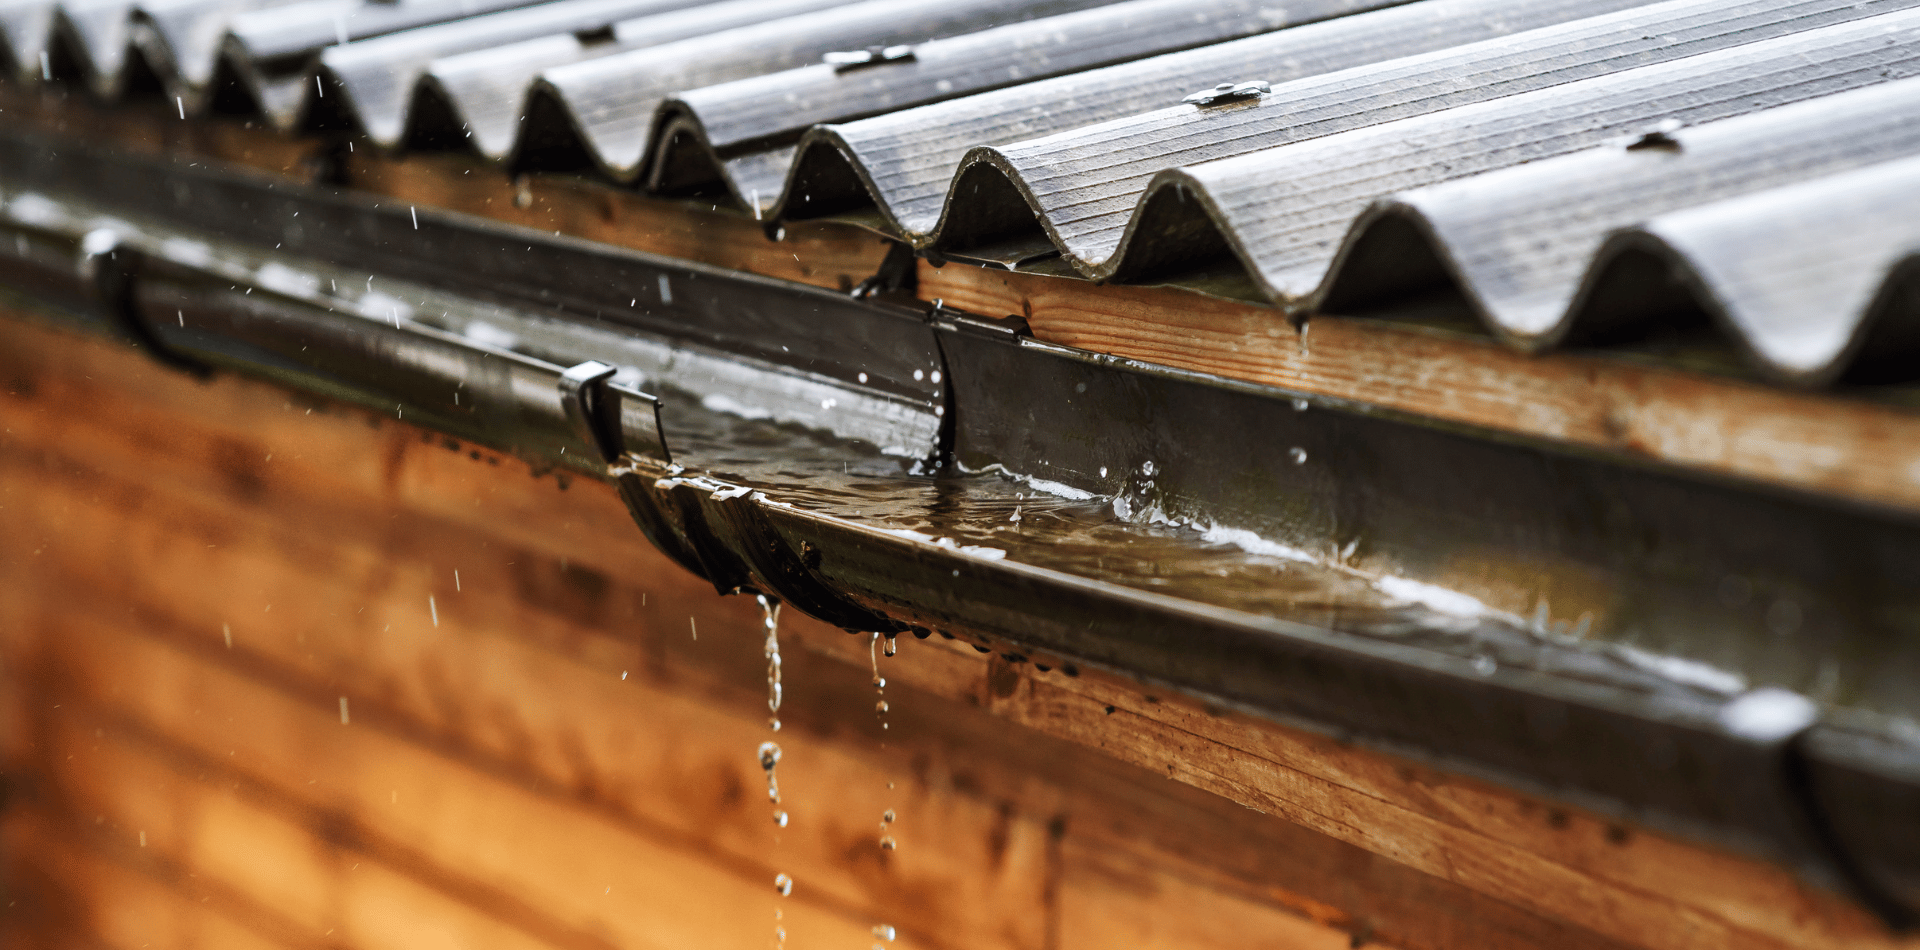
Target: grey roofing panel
x,y
305,28
24,28
1815,279
707,126
476,98
181,38
269,53
1085,184
1281,213
94,33
606,106
903,163
1518,241
371,82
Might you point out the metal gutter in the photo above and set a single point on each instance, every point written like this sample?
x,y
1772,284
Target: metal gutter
x,y
455,323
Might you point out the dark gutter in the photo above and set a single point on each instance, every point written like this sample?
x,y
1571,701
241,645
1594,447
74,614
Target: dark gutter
x,y
306,286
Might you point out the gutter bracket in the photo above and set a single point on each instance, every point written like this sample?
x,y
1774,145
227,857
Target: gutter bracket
x,y
898,272
611,418
108,267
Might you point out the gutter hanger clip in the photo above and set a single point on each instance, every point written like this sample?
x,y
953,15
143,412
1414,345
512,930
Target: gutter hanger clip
x,y
613,418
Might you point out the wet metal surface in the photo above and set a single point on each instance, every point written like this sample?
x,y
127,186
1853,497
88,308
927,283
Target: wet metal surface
x,y
888,480
1084,186
709,130
1531,271
1224,146
903,164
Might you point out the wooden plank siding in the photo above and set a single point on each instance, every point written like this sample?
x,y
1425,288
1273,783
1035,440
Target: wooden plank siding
x,y
545,755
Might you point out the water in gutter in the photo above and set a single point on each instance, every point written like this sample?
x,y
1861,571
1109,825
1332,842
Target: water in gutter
x,y
862,460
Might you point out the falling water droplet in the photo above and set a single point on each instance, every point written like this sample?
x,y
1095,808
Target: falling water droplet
x,y
779,818
882,932
770,757
770,610
887,843
783,884
1298,454
887,818
890,647
880,707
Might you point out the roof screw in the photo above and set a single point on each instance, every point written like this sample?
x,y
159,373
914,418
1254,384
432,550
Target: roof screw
x,y
1230,92
595,36
847,60
1659,138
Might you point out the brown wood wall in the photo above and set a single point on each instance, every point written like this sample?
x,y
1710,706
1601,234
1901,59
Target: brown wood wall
x,y
232,719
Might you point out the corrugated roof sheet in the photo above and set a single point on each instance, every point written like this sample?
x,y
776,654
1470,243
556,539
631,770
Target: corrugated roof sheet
x,y
1051,134
1520,242
474,99
373,81
1281,212
1809,316
605,107
739,134
1084,184
903,163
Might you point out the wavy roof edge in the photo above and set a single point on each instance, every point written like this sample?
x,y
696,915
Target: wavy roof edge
x,y
1189,226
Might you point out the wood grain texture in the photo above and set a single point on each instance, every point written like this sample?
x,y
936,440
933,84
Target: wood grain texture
x,y
497,770
500,769
69,892
1816,442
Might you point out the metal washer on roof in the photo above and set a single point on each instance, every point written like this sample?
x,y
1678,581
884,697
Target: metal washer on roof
x,y
1230,92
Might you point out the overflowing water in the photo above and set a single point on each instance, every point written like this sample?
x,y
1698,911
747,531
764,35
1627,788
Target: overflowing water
x,y
882,933
769,752
770,611
1137,538
879,682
